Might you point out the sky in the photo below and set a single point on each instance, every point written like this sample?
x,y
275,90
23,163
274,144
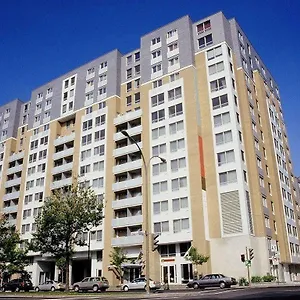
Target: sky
x,y
43,39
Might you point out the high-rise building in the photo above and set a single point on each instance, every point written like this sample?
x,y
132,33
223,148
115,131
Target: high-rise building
x,y
196,94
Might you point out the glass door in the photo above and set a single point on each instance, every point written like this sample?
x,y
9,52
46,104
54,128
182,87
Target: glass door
x,y
169,274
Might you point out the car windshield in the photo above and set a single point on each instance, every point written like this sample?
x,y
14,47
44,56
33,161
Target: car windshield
x,y
221,275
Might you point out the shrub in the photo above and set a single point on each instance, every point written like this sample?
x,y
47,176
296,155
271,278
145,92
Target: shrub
x,y
256,279
268,278
243,281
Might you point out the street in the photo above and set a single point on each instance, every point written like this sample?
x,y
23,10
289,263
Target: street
x,y
280,292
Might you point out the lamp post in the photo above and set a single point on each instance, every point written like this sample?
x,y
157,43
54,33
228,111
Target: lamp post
x,y
147,229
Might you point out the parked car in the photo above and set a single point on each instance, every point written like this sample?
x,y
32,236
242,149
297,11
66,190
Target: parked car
x,y
91,283
140,284
50,285
17,285
212,280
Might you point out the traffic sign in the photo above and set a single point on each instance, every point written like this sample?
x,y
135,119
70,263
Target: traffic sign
x,y
248,263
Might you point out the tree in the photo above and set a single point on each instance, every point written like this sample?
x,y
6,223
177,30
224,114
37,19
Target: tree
x,y
117,258
66,214
13,259
196,258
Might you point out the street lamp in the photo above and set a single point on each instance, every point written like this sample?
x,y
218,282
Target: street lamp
x,y
147,230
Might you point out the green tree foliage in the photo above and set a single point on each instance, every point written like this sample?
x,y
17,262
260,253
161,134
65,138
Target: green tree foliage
x,y
195,257
13,259
66,214
117,258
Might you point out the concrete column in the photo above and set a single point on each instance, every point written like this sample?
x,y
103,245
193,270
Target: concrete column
x,y
71,273
56,273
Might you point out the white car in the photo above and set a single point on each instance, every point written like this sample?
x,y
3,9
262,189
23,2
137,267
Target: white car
x,y
50,285
140,284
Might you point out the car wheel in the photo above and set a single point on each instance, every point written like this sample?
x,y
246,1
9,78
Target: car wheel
x,y
222,285
76,288
196,286
37,289
52,289
17,289
95,288
125,288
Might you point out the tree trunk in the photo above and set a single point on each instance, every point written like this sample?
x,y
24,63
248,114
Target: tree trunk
x,y
67,273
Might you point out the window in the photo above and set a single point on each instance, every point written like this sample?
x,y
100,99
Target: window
x,y
39,95
177,145
102,91
171,33
90,83
202,27
86,140
157,83
173,61
178,183
261,181
218,84
100,120
160,207
44,140
215,68
99,150
103,65
41,168
205,41
159,168
179,203
175,127
129,73
137,83
158,132
227,177
128,100
220,101
160,227
267,221
99,135
258,161
34,144
129,86
224,137
43,154
156,54
174,93
137,56
264,201
103,77
175,110
181,225
160,187
73,80
157,99
88,110
159,149
155,41
156,68
98,166
221,119
86,154
87,125
98,182
174,77
91,71
213,53
158,116
225,157
177,164
172,47
129,59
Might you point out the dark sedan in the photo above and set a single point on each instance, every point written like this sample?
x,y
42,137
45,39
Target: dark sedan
x,y
212,280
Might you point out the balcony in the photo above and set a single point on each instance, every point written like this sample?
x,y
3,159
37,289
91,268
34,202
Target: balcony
x,y
130,240
10,209
127,166
127,117
13,182
12,222
61,183
127,184
127,221
14,195
14,169
64,153
16,156
128,202
131,131
127,149
64,139
62,168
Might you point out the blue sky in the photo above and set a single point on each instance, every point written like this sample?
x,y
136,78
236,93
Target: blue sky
x,y
41,40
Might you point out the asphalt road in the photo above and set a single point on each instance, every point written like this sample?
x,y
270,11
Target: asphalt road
x,y
281,292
